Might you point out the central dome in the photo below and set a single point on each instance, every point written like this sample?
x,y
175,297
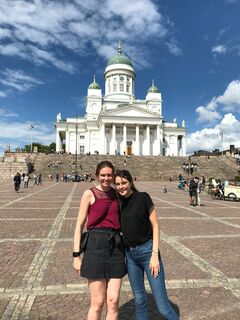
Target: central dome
x,y
119,58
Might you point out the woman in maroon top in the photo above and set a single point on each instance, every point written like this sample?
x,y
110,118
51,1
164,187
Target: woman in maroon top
x,y
103,263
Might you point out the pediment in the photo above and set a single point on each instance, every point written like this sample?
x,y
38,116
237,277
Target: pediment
x,y
130,111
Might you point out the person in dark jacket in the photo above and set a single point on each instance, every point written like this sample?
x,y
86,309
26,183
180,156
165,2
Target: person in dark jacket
x,y
17,181
193,186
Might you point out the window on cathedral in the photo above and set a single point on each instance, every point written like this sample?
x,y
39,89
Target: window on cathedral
x,y
121,87
114,87
82,137
128,87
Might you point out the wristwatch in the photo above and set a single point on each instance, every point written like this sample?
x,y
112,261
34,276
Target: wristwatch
x,y
76,254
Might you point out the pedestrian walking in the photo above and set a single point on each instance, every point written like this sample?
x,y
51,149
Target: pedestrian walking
x,y
140,229
35,179
26,181
193,186
39,179
103,262
17,181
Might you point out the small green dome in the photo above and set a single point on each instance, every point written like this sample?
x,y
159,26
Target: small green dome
x,y
119,58
94,85
153,89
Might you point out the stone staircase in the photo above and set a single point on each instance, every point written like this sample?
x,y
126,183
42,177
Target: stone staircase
x,y
145,168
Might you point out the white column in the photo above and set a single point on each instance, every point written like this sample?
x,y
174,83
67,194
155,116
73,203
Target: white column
x,y
137,142
102,142
161,141
148,141
113,140
58,142
67,142
158,148
184,146
167,149
88,142
124,138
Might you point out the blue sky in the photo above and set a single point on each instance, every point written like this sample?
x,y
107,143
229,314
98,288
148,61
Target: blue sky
x,y
50,50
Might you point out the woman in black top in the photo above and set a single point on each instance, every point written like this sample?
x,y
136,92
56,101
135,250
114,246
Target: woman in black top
x,y
139,224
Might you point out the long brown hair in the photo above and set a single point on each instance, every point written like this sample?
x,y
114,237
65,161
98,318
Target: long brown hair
x,y
104,164
126,175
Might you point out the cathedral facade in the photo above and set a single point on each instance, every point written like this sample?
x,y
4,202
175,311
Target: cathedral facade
x,y
118,123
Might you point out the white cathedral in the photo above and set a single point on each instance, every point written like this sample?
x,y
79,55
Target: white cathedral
x,y
118,123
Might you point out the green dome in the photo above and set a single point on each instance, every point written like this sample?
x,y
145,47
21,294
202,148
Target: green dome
x,y
119,58
153,89
94,85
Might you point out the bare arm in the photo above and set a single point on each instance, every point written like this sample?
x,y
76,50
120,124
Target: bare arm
x,y
154,263
82,216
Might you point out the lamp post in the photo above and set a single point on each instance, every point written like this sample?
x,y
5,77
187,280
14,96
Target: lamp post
x,y
221,137
32,125
189,167
76,151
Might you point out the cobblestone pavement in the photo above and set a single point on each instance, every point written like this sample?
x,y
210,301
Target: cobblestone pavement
x,y
199,246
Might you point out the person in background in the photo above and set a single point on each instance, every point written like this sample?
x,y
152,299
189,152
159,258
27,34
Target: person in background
x,y
26,180
193,186
140,230
17,181
199,190
103,262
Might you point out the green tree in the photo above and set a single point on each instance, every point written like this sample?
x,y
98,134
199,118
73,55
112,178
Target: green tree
x,y
41,148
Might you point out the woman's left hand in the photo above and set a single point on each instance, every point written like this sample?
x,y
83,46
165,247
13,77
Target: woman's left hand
x,y
154,265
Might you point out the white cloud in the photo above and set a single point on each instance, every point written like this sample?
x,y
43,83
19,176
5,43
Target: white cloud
x,y
4,33
3,94
228,101
209,138
18,80
173,47
6,113
208,113
231,97
219,49
39,30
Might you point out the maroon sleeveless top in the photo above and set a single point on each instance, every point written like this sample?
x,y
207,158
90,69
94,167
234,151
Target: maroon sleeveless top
x,y
104,212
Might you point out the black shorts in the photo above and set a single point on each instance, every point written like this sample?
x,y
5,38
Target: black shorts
x,y
104,256
192,193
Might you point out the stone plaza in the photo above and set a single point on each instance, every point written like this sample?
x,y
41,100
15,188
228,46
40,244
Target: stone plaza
x,y
199,247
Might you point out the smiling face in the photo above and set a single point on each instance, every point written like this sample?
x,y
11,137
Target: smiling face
x,y
105,177
123,186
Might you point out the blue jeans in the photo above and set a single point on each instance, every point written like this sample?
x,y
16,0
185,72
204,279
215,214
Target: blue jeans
x,y
138,262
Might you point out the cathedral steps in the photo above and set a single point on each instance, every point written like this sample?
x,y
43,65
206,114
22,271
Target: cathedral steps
x,y
144,168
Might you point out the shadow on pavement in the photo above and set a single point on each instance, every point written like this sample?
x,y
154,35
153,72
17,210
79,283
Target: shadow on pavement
x,y
127,310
